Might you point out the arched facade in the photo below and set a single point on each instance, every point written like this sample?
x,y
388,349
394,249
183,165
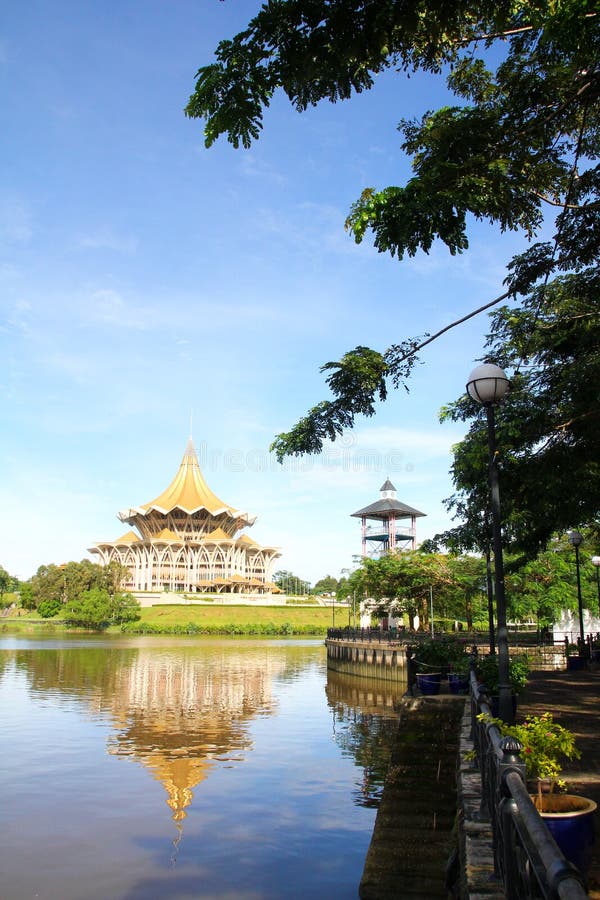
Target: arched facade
x,y
189,540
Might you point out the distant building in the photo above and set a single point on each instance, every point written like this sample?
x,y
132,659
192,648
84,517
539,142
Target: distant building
x,y
395,525
187,539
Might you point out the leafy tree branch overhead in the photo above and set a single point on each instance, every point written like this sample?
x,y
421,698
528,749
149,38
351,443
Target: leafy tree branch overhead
x,y
518,147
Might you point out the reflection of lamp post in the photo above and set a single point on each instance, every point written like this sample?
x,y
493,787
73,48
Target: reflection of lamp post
x,y
487,385
576,539
596,564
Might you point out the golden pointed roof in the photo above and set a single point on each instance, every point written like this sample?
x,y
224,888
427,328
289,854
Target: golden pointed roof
x,y
130,537
166,535
245,539
217,535
188,490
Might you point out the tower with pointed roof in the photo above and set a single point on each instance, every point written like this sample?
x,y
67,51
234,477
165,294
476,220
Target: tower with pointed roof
x,y
187,539
391,530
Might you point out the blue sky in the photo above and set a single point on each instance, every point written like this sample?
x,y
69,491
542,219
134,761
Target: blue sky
x,y
144,279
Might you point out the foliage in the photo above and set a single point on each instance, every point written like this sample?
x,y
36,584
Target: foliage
x,y
404,583
50,608
289,583
26,595
7,583
547,430
545,745
520,139
487,672
432,655
96,608
228,628
326,585
68,582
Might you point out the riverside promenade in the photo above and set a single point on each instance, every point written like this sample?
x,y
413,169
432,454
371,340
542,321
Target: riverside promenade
x,y
413,838
573,698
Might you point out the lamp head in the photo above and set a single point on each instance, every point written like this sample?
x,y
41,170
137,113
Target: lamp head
x,y
575,538
487,384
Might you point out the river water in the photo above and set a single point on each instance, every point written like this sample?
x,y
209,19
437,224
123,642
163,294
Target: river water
x,y
136,768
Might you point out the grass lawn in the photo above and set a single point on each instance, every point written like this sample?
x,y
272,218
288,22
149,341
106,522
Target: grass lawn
x,y
317,617
196,619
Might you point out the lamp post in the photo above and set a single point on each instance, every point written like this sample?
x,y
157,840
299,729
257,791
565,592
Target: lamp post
x,y
576,539
487,385
596,564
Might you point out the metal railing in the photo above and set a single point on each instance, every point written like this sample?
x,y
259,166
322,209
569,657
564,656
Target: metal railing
x,y
526,857
373,635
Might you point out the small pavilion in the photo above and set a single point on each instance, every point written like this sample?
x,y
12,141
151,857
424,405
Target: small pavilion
x,y
395,523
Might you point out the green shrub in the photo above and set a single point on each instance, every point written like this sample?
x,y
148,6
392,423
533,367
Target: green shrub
x,y
518,670
49,608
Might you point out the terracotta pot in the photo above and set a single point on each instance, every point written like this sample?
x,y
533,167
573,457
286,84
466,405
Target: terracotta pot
x,y
570,820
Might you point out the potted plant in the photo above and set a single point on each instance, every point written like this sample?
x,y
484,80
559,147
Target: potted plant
x,y
487,672
458,677
569,817
433,660
576,659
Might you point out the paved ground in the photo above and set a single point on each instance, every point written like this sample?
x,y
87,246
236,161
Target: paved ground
x,y
574,700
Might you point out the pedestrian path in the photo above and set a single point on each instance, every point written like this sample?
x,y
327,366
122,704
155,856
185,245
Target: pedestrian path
x,y
573,698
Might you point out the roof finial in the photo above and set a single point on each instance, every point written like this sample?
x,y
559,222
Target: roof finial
x,y
191,423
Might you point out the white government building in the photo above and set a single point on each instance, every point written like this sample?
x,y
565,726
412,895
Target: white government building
x,y
187,539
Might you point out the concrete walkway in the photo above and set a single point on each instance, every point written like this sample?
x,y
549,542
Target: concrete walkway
x,y
573,698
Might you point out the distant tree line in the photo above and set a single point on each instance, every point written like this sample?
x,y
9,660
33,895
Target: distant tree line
x,y
537,590
80,594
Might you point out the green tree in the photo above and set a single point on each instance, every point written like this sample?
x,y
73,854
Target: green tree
x,y
407,579
289,583
520,142
69,581
97,609
326,585
548,431
6,583
125,608
26,595
468,577
92,609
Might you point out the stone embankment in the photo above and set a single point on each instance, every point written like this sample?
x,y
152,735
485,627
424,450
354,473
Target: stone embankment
x,y
430,805
415,831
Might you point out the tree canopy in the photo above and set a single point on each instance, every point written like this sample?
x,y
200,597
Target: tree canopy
x,y
518,146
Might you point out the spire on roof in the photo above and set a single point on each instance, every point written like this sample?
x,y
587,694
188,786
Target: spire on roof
x,y
387,489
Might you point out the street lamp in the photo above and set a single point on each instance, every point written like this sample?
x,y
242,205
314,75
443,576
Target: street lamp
x,y
576,539
487,385
596,563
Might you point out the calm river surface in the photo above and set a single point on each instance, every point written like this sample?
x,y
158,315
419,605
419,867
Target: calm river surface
x,y
149,767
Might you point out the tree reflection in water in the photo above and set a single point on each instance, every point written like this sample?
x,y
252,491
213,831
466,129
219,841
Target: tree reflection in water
x,y
365,722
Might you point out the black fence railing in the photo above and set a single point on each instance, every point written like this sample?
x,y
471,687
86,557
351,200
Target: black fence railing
x,y
517,638
526,857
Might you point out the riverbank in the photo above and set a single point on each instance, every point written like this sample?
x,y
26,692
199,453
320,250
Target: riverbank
x,y
205,619
414,834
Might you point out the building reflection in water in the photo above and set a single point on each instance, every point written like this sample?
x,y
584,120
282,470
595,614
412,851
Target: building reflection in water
x,y
177,712
364,725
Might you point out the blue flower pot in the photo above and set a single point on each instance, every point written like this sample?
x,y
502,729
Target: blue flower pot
x,y
571,824
458,684
575,663
430,683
